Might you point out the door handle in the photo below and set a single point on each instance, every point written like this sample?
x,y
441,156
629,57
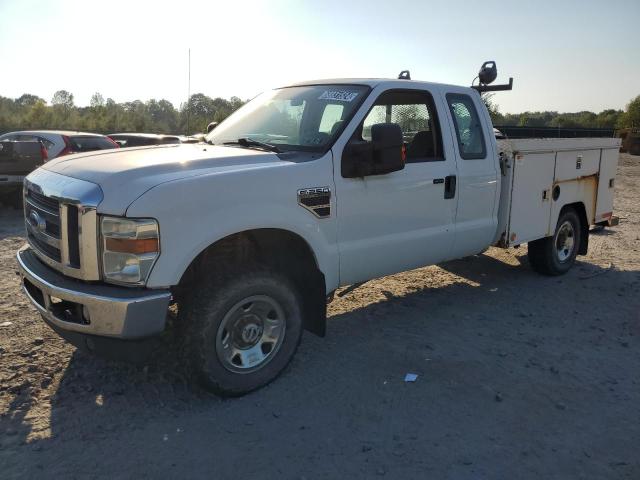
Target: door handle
x,y
437,181
450,186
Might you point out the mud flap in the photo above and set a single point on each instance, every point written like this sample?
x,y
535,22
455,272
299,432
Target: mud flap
x,y
315,305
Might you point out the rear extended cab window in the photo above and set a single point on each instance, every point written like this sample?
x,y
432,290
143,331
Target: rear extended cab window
x,y
468,126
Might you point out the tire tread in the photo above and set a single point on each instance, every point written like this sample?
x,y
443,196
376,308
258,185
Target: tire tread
x,y
195,316
541,251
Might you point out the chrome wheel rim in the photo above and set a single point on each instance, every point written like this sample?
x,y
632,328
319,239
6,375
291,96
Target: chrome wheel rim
x,y
250,334
565,241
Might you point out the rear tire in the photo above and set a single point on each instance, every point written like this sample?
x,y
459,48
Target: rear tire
x,y
556,255
241,329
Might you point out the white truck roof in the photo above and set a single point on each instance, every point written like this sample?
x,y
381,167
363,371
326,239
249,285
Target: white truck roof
x,y
374,82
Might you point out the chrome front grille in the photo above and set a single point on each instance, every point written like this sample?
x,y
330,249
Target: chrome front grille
x,y
62,222
42,220
50,204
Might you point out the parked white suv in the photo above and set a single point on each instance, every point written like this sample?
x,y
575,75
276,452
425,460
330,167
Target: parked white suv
x,y
61,142
303,190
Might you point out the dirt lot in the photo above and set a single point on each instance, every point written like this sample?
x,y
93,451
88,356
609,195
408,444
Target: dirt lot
x,y
520,376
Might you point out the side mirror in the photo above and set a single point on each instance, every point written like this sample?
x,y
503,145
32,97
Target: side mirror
x,y
384,154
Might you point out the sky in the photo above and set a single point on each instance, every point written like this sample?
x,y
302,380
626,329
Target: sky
x,y
564,55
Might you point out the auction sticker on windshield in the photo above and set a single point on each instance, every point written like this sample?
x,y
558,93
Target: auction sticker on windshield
x,y
338,95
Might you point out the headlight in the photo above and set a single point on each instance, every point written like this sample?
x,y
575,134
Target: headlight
x,y
130,246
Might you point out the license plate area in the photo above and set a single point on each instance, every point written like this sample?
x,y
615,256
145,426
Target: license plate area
x,y
60,309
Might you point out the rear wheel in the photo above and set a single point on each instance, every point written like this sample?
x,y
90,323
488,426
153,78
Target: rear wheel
x,y
556,255
241,330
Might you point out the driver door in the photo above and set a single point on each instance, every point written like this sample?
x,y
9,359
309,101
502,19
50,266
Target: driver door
x,y
405,219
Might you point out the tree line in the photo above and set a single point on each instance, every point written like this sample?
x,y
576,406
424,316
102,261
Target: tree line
x,y
107,116
610,118
160,116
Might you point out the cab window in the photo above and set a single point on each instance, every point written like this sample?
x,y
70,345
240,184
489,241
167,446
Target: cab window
x,y
415,112
468,126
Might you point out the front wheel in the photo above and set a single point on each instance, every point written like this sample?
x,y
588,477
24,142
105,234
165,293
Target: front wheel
x,y
241,330
556,255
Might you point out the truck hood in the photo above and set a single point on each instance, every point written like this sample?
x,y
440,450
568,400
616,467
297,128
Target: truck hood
x,y
124,175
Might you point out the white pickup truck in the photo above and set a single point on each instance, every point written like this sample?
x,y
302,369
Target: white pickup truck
x,y
304,189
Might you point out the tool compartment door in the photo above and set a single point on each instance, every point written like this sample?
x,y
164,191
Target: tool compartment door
x,y
571,165
608,169
531,197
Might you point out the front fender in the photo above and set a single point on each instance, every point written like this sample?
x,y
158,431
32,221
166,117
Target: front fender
x,y
193,213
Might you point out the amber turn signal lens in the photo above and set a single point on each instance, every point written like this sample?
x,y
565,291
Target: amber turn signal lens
x,y
135,246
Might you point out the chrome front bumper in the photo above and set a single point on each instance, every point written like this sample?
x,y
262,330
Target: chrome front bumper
x,y
93,309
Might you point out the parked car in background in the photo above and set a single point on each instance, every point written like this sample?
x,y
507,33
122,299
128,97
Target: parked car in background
x,y
61,142
142,139
17,160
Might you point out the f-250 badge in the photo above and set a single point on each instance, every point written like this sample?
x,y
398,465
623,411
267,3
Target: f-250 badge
x,y
317,200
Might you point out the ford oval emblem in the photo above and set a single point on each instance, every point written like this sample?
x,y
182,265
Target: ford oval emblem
x,y
37,221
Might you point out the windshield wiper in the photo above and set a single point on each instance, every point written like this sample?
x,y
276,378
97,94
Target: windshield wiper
x,y
250,143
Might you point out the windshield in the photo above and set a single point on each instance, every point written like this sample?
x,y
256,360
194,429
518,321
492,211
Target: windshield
x,y
294,118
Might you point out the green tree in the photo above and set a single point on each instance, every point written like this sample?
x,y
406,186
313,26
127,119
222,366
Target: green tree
x,y
492,107
38,116
523,120
608,118
11,114
62,98
97,100
236,103
631,116
135,118
108,116
28,100
164,117
64,113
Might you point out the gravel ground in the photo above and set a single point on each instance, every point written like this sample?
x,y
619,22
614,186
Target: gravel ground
x,y
519,376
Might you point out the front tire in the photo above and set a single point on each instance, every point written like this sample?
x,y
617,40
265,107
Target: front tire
x,y
556,255
241,330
